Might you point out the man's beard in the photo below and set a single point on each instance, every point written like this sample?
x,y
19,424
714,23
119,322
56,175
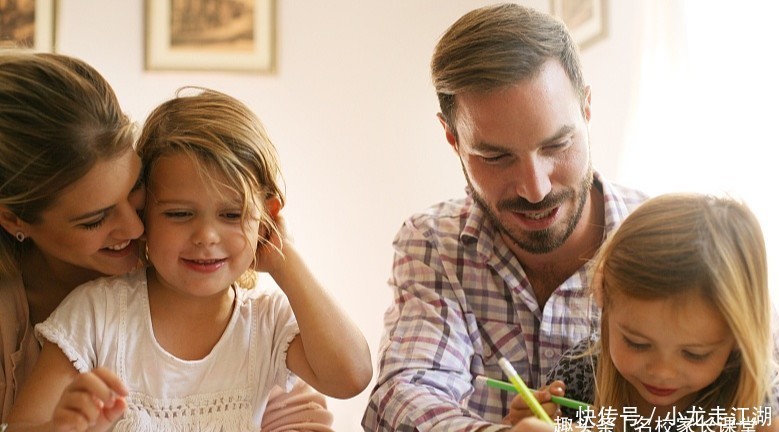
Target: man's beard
x,y
546,240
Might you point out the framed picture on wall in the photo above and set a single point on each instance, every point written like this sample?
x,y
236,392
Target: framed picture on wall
x,y
27,24
586,19
210,35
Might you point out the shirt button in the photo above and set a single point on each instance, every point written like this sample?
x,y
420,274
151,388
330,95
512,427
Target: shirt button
x,y
548,353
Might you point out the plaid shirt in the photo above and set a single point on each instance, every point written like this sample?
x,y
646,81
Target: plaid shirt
x,y
462,301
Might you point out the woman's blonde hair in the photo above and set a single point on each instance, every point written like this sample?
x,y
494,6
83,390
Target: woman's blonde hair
x,y
223,136
58,118
677,244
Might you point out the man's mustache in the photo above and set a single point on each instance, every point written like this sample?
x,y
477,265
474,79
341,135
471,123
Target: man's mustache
x,y
519,204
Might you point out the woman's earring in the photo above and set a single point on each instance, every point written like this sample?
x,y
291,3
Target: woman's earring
x,y
20,236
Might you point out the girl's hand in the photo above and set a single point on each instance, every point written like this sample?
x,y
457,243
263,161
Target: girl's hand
x,y
93,401
519,409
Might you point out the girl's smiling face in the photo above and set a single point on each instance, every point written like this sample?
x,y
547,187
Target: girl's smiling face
x,y
199,240
667,349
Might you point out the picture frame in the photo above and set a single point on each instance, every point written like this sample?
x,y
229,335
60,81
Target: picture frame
x,y
28,24
585,19
203,35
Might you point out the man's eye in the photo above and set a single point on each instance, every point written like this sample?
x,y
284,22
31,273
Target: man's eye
x,y
491,159
559,145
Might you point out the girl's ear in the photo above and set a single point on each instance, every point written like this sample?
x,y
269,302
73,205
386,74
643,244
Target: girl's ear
x,y
597,286
273,205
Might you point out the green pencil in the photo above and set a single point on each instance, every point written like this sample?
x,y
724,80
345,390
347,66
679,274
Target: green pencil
x,y
559,400
523,391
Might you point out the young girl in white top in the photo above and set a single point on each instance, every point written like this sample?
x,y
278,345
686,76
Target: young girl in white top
x,y
180,345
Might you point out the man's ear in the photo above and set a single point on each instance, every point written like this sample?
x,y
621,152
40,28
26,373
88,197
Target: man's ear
x,y
450,138
586,111
10,221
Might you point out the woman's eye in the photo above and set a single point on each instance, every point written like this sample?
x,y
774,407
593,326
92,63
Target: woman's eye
x,y
93,225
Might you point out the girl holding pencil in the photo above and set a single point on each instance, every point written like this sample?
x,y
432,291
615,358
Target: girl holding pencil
x,y
685,320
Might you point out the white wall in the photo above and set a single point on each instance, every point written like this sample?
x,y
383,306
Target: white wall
x,y
352,112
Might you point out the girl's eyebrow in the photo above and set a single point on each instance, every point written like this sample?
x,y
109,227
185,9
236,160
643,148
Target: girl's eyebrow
x,y
631,332
625,328
184,202
705,344
172,201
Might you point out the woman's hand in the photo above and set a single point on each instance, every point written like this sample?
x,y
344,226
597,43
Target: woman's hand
x,y
519,409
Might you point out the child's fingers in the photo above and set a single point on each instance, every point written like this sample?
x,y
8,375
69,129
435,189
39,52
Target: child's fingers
x,y
101,383
519,409
113,413
112,382
68,421
76,410
556,388
516,414
85,399
543,396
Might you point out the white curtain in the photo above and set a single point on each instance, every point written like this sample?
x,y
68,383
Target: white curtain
x,y
706,110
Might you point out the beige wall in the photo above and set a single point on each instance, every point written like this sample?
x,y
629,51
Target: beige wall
x,y
352,112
